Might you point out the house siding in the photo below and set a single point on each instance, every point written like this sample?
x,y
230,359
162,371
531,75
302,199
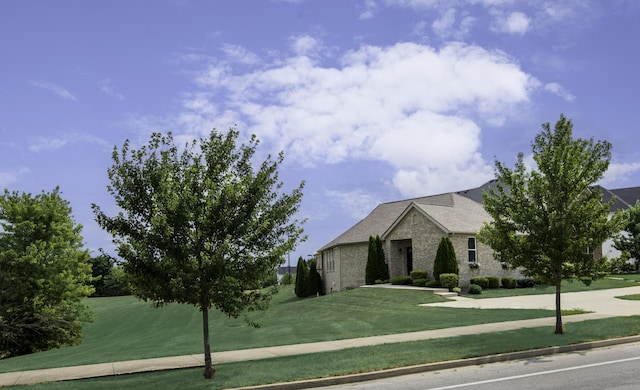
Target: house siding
x,y
349,272
488,266
422,235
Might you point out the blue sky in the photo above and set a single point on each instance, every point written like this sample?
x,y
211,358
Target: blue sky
x,y
371,100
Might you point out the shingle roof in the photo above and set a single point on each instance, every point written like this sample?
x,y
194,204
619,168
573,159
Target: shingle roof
x,y
381,218
475,194
459,212
618,204
629,195
463,216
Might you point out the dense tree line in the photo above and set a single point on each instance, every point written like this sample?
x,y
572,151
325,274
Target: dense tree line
x,y
109,278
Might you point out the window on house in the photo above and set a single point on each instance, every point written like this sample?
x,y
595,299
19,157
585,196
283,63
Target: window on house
x,y
327,260
471,249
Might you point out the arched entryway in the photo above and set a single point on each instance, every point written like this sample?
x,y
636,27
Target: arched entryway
x,y
401,259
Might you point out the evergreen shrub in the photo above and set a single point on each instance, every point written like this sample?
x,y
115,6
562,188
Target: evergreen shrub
x,y
509,282
494,281
449,280
419,274
445,262
420,282
480,281
475,289
402,280
526,282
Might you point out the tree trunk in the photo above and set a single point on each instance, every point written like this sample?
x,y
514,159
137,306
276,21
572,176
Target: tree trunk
x,y
559,329
208,365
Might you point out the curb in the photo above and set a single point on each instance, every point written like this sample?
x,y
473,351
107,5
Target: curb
x,y
421,368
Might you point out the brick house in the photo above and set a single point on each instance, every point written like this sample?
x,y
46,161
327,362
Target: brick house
x,y
411,230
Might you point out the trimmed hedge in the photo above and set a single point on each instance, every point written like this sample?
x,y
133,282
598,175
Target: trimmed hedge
x,y
419,274
420,282
480,281
508,282
475,289
526,282
494,281
449,280
432,284
402,280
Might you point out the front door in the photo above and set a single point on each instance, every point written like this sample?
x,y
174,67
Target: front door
x,y
409,260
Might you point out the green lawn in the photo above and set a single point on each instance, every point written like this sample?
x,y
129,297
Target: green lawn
x,y
632,297
635,277
126,328
617,281
362,359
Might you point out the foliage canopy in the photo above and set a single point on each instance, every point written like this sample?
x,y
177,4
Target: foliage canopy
x,y
199,225
548,220
44,274
629,241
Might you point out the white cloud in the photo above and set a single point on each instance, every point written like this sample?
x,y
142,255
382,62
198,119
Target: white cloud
x,y
619,171
8,177
560,91
411,106
239,54
513,23
106,86
305,45
370,8
54,88
39,144
445,23
358,204
445,27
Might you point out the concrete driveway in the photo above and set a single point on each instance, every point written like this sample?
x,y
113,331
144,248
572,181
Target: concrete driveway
x,y
602,302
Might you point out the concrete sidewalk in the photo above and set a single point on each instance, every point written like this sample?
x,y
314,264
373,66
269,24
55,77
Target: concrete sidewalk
x,y
602,302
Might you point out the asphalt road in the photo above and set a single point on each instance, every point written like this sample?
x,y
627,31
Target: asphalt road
x,y
607,368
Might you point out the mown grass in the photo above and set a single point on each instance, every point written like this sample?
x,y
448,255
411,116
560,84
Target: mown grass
x,y
631,297
363,359
619,281
126,328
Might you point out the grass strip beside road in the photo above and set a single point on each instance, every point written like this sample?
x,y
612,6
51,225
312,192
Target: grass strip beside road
x,y
632,297
365,359
128,329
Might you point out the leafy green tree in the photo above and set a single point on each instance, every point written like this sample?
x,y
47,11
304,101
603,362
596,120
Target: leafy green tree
x,y
545,220
287,279
302,275
629,241
100,271
199,225
44,274
446,261
117,282
109,279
